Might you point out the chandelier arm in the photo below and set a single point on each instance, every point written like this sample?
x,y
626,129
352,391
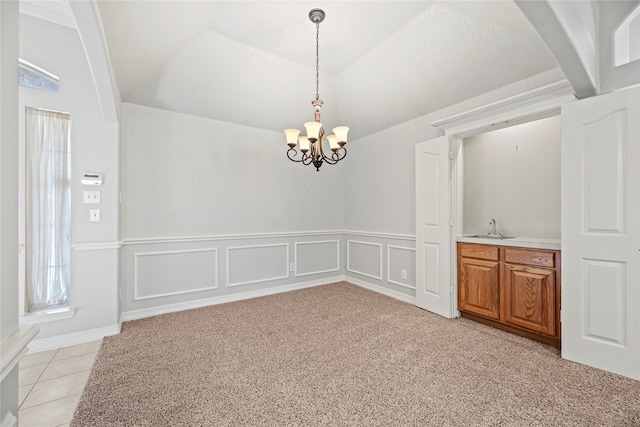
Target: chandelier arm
x,y
339,154
295,153
307,159
342,150
335,156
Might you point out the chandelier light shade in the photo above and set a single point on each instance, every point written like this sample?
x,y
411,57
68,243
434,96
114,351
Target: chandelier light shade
x,y
311,146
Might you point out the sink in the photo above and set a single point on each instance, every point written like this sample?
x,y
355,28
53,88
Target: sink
x,y
491,236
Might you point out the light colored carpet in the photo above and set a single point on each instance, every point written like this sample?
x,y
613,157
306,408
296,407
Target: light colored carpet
x,y
340,355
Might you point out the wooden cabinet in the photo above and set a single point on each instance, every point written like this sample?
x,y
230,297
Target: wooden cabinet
x,y
512,288
479,292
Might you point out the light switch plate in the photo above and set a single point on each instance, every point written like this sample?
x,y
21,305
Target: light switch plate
x,y
91,196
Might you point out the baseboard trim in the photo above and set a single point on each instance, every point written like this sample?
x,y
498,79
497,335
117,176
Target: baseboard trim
x,y
382,290
58,341
10,420
239,296
65,340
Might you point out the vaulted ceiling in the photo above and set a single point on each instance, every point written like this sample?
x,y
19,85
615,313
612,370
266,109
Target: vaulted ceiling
x,y
253,62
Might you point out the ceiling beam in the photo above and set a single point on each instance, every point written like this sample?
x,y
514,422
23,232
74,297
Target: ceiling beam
x,y
570,41
89,23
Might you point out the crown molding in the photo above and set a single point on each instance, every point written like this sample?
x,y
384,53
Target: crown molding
x,y
540,102
57,12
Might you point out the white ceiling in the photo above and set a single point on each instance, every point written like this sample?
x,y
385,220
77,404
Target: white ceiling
x,y
253,62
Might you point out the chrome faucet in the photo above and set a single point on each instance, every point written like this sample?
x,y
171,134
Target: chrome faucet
x,y
492,223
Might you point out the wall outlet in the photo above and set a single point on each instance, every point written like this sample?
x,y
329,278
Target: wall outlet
x,y
94,215
403,274
91,197
292,266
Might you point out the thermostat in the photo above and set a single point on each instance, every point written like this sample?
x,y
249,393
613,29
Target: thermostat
x,y
91,178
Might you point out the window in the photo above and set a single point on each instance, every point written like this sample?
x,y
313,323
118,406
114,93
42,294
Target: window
x,y
30,75
627,39
48,209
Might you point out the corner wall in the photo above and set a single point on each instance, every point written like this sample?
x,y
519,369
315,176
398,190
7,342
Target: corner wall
x,y
94,148
214,211
380,194
8,217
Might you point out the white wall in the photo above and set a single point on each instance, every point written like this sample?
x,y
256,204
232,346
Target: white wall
x,y
9,213
380,193
611,14
188,176
213,209
513,175
95,148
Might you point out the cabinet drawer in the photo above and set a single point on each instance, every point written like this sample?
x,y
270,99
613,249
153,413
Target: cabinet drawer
x,y
471,250
529,257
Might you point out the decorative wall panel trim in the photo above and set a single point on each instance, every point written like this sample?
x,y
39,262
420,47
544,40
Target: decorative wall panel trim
x,y
96,246
320,242
381,235
211,238
391,248
222,299
136,275
352,270
285,264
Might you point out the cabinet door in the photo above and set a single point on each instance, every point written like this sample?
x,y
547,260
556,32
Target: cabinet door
x,y
479,290
529,299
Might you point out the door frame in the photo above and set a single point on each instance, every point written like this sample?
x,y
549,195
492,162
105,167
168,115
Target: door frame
x,y
534,104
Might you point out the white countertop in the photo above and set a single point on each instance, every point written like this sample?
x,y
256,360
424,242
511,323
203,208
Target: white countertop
x,y
522,242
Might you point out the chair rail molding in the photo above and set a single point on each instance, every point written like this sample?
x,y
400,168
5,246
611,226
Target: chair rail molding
x,y
221,237
95,246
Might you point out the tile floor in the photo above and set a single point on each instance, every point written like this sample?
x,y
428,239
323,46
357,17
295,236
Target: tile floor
x,y
51,383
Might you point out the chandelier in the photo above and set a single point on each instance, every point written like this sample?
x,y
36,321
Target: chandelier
x,y
311,146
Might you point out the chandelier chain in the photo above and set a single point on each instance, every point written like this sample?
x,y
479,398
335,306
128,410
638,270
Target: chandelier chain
x,y
317,61
314,147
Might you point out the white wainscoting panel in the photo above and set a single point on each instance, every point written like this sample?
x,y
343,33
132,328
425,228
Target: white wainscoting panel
x,y
317,257
160,274
401,258
258,263
364,258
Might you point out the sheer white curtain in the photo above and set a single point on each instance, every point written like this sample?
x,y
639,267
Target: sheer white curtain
x,y
48,209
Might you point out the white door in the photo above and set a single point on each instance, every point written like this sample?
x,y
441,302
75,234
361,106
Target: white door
x,y
601,232
433,236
